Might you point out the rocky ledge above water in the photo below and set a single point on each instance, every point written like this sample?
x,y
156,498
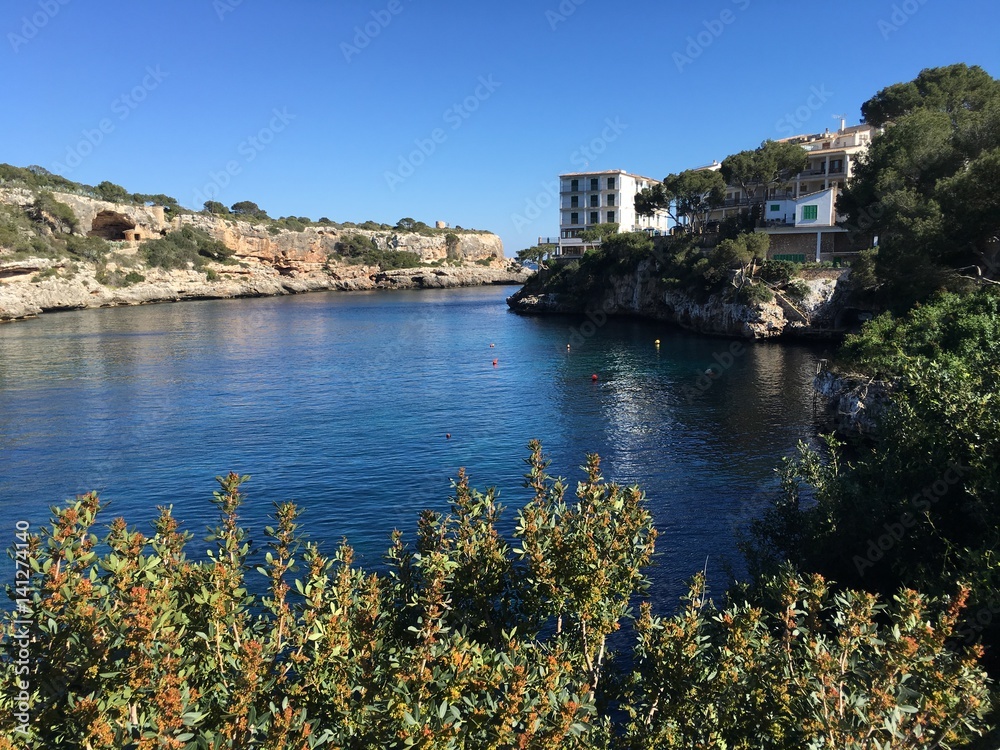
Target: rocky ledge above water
x,y
820,313
264,258
31,287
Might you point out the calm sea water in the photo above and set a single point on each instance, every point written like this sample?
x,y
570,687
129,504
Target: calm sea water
x,y
342,402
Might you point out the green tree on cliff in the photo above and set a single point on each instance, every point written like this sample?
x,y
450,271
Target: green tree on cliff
x,y
109,191
248,210
688,197
772,163
924,186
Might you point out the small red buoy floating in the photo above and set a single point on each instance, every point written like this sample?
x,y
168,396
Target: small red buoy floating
x,y
593,378
495,362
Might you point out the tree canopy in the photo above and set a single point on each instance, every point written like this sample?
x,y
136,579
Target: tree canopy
x,y
687,197
249,210
771,163
926,186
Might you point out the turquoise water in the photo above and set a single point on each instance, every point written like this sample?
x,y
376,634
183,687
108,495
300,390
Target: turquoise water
x,y
342,402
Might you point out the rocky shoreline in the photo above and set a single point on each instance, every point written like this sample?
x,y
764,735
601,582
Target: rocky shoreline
x,y
819,314
27,290
266,259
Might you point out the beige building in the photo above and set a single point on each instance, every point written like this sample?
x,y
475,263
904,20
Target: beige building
x,y
800,215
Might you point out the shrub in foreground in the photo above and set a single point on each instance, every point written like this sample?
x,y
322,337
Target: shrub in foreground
x,y
464,641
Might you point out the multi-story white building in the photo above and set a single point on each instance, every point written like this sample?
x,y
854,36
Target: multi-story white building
x,y
587,199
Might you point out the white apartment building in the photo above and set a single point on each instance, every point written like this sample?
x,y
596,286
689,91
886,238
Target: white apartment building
x,y
587,199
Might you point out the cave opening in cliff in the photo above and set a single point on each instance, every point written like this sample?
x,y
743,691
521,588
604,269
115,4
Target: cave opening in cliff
x,y
111,226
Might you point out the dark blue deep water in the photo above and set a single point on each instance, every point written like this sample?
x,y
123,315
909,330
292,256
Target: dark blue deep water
x,y
341,402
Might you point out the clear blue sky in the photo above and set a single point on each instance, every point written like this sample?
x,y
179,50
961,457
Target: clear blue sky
x,y
319,107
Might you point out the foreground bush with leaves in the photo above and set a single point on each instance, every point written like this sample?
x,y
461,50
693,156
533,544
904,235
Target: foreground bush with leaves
x,y
464,641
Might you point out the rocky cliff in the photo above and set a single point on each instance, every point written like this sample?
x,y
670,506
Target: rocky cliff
x,y
266,260
854,403
641,292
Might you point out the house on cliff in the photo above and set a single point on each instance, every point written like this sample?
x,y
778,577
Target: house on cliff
x,y
587,199
800,214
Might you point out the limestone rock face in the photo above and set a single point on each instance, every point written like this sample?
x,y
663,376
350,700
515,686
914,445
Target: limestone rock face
x,y
26,293
265,261
853,404
641,293
311,247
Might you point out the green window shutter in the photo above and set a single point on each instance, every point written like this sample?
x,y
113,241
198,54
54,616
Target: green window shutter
x,y
810,213
775,206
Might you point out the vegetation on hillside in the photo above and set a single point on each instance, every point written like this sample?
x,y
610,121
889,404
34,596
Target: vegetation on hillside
x,y
187,247
927,186
49,228
917,503
465,640
736,268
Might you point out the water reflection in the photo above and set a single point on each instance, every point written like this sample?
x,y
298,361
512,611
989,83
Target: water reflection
x,y
342,402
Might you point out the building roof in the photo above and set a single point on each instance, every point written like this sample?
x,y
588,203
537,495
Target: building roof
x,y
715,165
608,172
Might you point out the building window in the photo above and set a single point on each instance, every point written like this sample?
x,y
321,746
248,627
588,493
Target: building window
x,y
574,201
611,183
574,218
593,201
611,200
810,213
594,183
611,216
775,207
574,185
594,219
804,188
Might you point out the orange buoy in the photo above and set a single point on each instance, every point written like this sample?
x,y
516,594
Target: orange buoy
x,y
495,362
593,378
